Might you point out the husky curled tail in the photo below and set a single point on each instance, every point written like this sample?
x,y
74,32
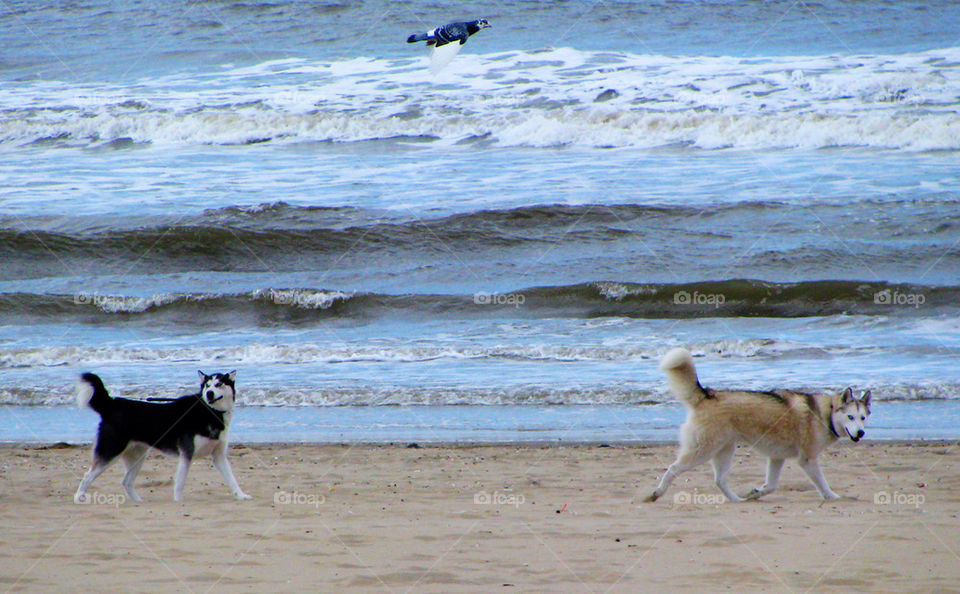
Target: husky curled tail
x,y
682,376
91,392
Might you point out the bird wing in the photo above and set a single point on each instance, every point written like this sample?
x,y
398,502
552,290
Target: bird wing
x,y
443,55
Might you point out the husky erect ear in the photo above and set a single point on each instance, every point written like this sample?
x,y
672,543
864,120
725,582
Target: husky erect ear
x,y
847,395
866,400
203,376
232,375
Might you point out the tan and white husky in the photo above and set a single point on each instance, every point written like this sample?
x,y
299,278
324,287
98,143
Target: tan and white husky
x,y
780,424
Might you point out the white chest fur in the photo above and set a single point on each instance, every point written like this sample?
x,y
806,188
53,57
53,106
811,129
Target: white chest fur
x,y
204,446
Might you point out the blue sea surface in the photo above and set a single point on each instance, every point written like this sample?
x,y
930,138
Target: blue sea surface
x,y
506,248
403,425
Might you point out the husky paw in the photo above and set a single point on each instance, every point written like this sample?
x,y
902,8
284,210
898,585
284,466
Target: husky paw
x,y
753,494
651,498
241,496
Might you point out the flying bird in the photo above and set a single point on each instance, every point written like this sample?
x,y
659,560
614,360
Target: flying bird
x,y
450,33
442,39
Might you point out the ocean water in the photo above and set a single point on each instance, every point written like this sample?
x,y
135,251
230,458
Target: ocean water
x,y
284,189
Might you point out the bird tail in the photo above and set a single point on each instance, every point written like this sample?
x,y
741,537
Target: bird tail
x,y
682,375
91,392
417,37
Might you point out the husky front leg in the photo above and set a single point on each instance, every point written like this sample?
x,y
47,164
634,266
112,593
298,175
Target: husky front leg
x,y
812,467
774,465
223,465
181,477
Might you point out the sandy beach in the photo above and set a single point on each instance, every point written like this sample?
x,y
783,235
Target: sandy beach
x,y
481,518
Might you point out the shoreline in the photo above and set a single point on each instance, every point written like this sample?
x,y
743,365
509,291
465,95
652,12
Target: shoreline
x,y
891,422
470,444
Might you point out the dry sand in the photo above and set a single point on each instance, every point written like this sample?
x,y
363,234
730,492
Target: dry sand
x,y
489,518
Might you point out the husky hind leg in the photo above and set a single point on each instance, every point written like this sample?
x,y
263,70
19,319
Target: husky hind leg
x,y
96,469
133,458
108,446
693,452
685,461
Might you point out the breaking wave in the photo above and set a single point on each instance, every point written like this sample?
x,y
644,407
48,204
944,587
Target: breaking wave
x,y
548,98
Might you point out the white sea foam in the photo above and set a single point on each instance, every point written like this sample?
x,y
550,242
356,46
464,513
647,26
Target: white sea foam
x,y
125,304
618,291
558,97
383,395
271,354
303,298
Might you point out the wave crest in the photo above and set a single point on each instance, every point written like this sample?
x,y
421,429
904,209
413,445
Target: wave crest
x,y
728,298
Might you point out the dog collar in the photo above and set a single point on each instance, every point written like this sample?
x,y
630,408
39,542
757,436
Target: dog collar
x,y
833,429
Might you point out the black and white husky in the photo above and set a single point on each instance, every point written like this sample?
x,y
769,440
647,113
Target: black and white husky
x,y
186,427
